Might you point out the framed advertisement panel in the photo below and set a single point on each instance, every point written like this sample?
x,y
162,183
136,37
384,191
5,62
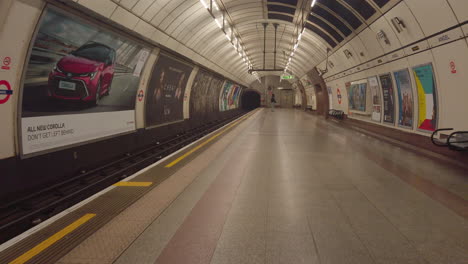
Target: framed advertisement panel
x,y
376,100
357,96
80,83
229,96
388,92
405,98
427,97
165,94
199,97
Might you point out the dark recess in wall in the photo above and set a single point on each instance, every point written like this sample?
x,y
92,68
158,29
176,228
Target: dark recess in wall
x,y
250,100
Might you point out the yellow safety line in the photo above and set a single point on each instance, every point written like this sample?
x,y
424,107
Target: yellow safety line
x,y
204,143
51,240
133,184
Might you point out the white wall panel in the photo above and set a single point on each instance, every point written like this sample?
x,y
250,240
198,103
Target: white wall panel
x,y
433,15
460,8
15,37
381,25
103,7
412,31
359,47
369,39
452,84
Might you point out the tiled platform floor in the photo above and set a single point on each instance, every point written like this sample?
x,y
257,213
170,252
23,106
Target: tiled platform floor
x,y
289,187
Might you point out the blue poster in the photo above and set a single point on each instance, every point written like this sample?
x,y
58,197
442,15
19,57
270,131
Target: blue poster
x,y
405,98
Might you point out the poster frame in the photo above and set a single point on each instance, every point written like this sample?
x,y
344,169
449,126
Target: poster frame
x,y
351,83
397,117
392,79
180,60
379,92
87,19
436,95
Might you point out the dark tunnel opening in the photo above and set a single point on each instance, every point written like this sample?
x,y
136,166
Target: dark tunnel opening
x,y
250,100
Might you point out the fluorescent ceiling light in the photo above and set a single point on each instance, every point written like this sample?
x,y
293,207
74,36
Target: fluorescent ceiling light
x,y
205,5
217,8
217,23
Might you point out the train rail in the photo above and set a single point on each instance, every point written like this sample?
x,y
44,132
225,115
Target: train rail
x,y
26,212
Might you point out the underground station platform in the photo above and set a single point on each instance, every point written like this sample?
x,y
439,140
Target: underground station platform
x,y
269,187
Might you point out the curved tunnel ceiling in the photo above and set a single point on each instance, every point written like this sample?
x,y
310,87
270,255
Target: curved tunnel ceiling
x,y
327,24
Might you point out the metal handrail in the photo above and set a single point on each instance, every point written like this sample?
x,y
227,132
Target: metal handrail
x,y
450,143
435,133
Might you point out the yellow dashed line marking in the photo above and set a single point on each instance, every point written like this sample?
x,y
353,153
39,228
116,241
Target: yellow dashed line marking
x,y
204,143
51,240
134,184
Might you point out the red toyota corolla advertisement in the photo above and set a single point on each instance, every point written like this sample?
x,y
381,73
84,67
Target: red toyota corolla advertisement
x,y
80,84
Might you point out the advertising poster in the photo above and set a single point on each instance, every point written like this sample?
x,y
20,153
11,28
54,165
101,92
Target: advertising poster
x,y
405,98
200,97
388,98
233,101
424,76
166,90
357,96
225,95
80,84
376,102
216,85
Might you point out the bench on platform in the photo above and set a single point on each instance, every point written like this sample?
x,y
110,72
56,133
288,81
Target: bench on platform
x,y
337,114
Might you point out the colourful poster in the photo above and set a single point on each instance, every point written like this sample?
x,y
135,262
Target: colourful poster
x,y
376,102
388,98
405,98
224,96
357,96
426,87
79,77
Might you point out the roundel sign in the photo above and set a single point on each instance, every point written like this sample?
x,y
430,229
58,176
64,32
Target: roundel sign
x,y
338,95
5,91
141,95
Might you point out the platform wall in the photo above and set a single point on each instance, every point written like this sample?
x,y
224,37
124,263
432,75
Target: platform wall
x,y
26,61
433,36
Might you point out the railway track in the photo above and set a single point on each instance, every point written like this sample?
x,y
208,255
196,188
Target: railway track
x,y
22,214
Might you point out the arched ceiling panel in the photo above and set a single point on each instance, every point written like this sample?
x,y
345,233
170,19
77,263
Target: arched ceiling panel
x,y
190,26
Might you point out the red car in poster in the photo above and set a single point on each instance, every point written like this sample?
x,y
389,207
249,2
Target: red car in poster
x,y
85,74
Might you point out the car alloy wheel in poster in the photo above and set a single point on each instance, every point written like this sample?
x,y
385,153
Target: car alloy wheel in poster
x,y
405,98
80,83
165,95
427,103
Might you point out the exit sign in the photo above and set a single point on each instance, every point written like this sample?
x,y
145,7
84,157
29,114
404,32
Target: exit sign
x,y
287,77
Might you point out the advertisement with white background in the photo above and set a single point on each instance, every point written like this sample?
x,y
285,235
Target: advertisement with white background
x,y
80,84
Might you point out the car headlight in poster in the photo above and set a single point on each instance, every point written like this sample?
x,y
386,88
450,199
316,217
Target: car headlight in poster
x,y
80,84
166,91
